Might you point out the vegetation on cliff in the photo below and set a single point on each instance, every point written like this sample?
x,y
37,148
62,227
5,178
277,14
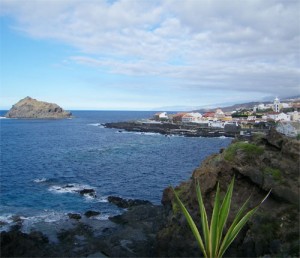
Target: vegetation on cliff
x,y
267,162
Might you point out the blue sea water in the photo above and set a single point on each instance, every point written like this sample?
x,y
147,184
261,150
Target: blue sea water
x,y
45,162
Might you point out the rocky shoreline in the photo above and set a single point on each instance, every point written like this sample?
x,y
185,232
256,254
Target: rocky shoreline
x,y
145,230
179,129
131,234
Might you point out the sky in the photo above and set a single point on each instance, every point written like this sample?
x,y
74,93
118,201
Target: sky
x,y
147,55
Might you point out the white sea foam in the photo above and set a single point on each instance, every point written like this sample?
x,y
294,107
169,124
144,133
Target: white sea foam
x,y
102,217
6,218
97,124
3,117
70,188
40,180
141,133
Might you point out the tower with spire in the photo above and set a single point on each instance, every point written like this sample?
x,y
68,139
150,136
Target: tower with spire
x,y
276,105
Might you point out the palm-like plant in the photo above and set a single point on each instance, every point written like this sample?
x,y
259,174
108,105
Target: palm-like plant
x,y
214,243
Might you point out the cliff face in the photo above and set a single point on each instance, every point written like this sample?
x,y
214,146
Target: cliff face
x,y
270,162
32,108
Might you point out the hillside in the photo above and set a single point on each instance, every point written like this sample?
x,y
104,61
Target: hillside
x,y
269,162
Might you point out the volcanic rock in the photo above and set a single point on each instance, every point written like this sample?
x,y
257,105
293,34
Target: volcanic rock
x,y
266,162
126,203
32,108
91,213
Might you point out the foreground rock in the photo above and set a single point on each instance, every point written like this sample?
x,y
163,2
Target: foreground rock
x,y
32,108
136,235
269,162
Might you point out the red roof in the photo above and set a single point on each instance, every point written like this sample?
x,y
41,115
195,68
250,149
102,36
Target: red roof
x,y
209,114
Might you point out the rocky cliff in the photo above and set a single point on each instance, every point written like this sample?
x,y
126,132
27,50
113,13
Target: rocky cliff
x,y
268,162
32,108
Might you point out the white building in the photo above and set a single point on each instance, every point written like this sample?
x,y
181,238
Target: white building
x,y
219,114
193,117
295,116
161,116
279,116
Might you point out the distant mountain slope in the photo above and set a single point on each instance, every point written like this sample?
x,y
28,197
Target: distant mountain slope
x,y
246,105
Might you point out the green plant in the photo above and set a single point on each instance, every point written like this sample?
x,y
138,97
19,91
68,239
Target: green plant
x,y
248,148
213,243
275,172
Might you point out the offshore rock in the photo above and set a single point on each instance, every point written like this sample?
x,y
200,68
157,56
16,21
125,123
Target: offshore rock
x,y
126,203
31,108
268,162
91,213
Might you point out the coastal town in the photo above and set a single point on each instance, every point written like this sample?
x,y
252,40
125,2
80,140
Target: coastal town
x,y
285,116
240,121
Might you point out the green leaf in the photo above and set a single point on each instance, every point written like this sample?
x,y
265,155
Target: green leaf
x,y
225,208
203,215
238,223
191,224
214,237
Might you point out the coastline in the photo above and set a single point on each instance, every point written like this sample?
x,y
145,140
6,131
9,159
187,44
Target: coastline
x,y
179,129
148,230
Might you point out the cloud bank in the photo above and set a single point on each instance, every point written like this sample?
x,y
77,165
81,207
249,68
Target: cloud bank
x,y
245,46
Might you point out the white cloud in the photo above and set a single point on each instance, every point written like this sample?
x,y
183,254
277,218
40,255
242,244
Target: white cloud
x,y
249,45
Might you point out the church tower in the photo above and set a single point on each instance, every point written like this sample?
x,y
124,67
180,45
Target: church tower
x,y
276,105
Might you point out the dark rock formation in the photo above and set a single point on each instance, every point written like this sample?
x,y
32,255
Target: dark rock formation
x,y
74,216
91,213
32,108
17,244
126,203
182,129
269,162
90,192
136,235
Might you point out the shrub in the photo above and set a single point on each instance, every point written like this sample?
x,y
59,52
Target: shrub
x,y
251,150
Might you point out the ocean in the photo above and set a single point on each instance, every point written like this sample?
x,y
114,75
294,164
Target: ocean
x,y
45,163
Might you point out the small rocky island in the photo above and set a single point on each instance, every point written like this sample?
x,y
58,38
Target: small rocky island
x,y
30,108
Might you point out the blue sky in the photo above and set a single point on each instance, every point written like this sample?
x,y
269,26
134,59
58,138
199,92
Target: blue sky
x,y
145,55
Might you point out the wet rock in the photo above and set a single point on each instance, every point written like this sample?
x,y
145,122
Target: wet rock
x,y
17,244
136,234
90,192
91,213
74,216
126,203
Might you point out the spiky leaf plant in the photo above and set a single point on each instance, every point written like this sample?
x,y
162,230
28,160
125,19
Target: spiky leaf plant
x,y
213,242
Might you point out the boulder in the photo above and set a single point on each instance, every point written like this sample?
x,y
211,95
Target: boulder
x,y
90,192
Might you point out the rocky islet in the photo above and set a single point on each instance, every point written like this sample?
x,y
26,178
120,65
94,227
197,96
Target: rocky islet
x,y
29,108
